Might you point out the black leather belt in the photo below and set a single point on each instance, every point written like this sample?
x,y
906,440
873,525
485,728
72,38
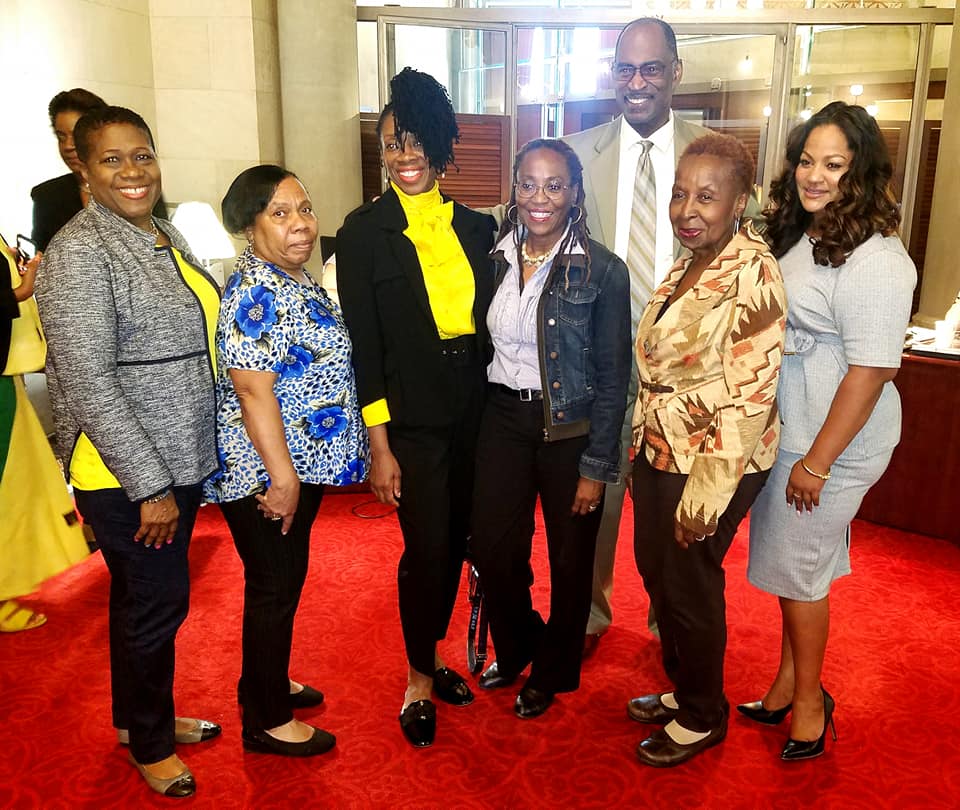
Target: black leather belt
x,y
523,394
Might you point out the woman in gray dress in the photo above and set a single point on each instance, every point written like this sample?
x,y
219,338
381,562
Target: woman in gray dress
x,y
833,226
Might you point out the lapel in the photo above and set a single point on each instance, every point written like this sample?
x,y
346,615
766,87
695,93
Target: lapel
x,y
713,287
600,178
394,221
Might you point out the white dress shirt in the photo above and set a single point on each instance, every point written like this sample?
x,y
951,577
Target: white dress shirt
x,y
664,168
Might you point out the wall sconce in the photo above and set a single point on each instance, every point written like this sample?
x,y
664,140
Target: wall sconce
x,y
767,111
856,90
745,64
873,109
806,114
205,235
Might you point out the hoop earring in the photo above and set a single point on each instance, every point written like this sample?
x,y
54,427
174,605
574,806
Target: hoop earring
x,y
514,209
579,214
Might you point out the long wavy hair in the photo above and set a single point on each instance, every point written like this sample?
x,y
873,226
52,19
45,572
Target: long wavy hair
x,y
577,234
866,205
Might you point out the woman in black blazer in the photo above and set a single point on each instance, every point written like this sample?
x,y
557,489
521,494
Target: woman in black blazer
x,y
415,280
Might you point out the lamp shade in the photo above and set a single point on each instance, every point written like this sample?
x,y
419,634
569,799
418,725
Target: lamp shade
x,y
203,231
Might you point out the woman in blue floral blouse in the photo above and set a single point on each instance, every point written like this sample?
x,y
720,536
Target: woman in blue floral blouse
x,y
287,423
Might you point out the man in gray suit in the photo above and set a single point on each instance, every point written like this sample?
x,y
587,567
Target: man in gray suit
x,y
646,71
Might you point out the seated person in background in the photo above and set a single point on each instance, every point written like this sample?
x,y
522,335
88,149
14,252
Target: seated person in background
x,y
56,201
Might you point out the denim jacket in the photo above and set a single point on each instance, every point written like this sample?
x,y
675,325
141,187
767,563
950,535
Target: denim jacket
x,y
584,343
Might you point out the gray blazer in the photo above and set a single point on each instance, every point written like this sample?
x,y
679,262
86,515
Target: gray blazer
x,y
128,362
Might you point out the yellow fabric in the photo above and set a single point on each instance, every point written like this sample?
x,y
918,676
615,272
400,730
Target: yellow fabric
x,y
209,301
28,347
446,271
87,469
376,413
39,536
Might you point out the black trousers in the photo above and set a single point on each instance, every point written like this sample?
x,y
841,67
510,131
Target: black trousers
x,y
149,599
436,484
274,570
514,466
686,589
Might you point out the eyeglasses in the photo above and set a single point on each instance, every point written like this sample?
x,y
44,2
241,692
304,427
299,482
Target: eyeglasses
x,y
552,188
624,72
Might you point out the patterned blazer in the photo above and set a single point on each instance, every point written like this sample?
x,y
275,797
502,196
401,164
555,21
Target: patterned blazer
x,y
708,368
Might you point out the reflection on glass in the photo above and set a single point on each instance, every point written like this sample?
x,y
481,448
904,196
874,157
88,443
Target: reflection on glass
x,y
468,62
873,66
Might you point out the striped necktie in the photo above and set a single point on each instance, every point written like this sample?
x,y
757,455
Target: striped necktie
x,y
642,247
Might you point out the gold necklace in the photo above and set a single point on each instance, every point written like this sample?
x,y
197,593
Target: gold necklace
x,y
533,260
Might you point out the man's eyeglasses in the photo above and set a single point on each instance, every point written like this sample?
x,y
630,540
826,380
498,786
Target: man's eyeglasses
x,y
552,188
624,72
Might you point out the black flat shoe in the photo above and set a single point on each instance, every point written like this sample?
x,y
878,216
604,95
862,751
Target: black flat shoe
x,y
306,698
492,679
650,709
769,717
660,750
419,723
532,702
263,743
451,688
808,749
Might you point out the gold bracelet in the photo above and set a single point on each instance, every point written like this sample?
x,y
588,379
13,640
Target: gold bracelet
x,y
821,476
159,496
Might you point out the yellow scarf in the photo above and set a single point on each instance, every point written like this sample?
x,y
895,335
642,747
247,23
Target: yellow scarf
x,y
447,274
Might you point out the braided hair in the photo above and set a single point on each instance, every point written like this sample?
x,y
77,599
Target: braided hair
x,y
577,233
421,107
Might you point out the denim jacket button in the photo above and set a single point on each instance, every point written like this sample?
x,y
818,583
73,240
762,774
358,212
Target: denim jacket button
x,y
553,355
552,322
559,414
556,385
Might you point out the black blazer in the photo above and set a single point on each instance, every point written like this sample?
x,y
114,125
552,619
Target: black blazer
x,y
396,347
56,201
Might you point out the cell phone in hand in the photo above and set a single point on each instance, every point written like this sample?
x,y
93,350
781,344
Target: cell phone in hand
x,y
26,247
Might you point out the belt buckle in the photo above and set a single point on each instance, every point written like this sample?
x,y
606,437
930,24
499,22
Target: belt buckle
x,y
526,395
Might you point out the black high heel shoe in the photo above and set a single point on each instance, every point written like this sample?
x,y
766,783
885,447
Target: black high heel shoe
x,y
769,717
808,749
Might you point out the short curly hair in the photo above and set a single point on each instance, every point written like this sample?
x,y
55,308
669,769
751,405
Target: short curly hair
x,y
92,122
732,151
420,106
250,194
866,205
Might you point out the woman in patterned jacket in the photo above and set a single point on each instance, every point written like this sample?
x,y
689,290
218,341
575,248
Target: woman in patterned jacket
x,y
287,423
709,345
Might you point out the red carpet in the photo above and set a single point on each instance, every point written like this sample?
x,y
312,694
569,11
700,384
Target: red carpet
x,y
893,665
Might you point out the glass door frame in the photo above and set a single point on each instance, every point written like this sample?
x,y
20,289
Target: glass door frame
x,y
782,23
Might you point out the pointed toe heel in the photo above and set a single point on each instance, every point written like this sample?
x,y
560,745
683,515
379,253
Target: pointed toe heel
x,y
795,750
769,717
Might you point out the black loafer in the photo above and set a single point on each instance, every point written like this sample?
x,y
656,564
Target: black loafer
x,y
650,709
305,698
660,751
419,723
451,688
532,702
263,743
492,679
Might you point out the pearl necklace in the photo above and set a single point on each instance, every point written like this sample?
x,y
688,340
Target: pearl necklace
x,y
534,260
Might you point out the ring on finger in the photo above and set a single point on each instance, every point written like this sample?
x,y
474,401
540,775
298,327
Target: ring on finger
x,y
276,517
593,507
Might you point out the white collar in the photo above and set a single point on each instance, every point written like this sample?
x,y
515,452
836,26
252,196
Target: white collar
x,y
662,138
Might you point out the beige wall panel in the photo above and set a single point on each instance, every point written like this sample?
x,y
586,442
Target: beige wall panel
x,y
181,52
208,124
200,8
232,54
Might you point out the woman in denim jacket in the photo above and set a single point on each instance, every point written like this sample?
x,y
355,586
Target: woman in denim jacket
x,y
560,327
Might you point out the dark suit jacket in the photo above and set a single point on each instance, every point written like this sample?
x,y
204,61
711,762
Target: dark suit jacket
x,y
56,201
396,347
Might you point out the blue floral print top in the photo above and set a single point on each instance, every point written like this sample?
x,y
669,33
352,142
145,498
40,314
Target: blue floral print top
x,y
271,322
